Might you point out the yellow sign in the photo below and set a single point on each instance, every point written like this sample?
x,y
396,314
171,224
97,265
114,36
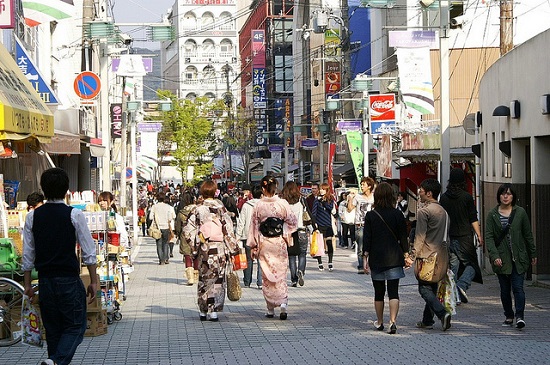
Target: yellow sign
x,y
21,109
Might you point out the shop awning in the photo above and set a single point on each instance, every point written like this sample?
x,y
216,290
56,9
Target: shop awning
x,y
22,113
63,143
343,170
96,150
462,153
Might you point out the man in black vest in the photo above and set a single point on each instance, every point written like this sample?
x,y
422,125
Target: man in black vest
x,y
49,244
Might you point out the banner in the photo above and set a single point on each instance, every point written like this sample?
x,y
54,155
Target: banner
x,y
416,79
276,165
355,143
330,164
383,157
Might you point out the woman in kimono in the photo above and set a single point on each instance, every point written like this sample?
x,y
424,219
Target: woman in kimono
x,y
269,243
210,231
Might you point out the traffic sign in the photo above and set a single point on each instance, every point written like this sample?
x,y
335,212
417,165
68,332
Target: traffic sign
x,y
87,85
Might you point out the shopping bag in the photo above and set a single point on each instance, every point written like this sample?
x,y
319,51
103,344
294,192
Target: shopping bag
x,y
240,262
317,247
30,324
234,290
447,292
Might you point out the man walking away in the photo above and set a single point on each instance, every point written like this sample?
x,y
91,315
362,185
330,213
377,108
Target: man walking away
x,y
431,235
50,236
163,214
463,220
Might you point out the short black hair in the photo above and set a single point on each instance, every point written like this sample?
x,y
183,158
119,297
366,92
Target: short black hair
x,y
431,185
504,188
54,183
256,191
35,198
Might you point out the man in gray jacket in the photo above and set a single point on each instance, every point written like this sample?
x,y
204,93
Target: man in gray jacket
x,y
431,237
243,225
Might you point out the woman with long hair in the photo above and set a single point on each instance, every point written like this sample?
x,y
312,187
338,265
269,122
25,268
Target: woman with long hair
x,y
209,230
322,211
291,193
186,206
385,246
106,202
511,248
269,236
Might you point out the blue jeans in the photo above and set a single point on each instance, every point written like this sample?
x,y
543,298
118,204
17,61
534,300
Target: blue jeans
x,y
509,284
465,280
248,271
162,246
294,269
428,292
359,239
63,310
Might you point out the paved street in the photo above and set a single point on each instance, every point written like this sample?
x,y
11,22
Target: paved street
x,y
329,322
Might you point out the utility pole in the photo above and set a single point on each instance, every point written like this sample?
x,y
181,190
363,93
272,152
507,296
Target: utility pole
x,y
228,100
444,97
506,26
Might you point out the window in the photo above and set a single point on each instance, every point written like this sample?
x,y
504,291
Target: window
x,y
226,21
208,49
189,21
207,21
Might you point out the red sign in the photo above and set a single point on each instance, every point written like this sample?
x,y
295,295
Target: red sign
x,y
87,85
382,107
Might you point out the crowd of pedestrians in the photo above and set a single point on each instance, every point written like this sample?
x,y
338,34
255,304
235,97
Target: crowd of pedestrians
x,y
273,225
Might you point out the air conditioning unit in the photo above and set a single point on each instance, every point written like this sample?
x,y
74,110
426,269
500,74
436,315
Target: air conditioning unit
x,y
187,59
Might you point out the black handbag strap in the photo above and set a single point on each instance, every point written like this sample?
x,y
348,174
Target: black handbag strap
x,y
504,232
313,222
383,220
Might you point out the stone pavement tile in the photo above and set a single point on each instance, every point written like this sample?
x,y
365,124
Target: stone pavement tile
x,y
329,322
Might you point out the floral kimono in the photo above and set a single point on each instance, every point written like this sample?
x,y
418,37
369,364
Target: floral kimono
x,y
272,251
210,231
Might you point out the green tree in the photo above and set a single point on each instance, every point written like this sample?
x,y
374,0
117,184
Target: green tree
x,y
190,126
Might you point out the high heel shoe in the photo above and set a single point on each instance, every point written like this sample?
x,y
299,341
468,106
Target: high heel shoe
x,y
393,328
379,327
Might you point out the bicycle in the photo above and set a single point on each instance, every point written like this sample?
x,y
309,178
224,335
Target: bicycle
x,y
11,302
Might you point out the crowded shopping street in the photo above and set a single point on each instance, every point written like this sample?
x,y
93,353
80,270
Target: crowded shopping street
x,y
329,322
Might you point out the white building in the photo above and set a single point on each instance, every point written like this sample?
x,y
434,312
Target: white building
x,y
202,60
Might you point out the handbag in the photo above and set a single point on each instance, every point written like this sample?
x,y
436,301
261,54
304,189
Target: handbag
x,y
295,249
154,231
234,290
272,227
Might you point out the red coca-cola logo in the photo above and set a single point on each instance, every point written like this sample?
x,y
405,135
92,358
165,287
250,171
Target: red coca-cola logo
x,y
382,105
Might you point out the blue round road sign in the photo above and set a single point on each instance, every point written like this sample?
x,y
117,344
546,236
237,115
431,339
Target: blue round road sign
x,y
87,85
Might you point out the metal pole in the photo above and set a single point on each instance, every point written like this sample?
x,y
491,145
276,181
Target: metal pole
x,y
105,118
134,179
365,142
445,98
285,141
123,149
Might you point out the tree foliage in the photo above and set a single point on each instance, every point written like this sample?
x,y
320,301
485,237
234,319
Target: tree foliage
x,y
190,126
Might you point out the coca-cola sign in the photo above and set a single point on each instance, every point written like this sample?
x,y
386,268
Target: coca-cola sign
x,y
382,107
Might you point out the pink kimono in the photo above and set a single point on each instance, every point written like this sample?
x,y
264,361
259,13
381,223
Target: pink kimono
x,y
272,251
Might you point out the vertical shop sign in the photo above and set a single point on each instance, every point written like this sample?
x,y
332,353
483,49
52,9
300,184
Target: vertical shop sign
x,y
116,120
381,113
7,20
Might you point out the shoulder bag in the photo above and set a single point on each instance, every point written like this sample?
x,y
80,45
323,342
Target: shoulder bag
x,y
154,231
506,229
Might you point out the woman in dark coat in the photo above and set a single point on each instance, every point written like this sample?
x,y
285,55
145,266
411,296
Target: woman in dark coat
x,y
385,247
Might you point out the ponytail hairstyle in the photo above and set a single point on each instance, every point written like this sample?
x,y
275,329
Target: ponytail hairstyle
x,y
107,196
269,183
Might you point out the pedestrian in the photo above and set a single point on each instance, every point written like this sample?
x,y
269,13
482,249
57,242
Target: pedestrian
x,y
162,215
115,222
463,223
362,204
347,220
34,200
245,196
384,249
50,238
311,197
270,234
142,220
431,237
511,249
243,229
298,251
402,204
322,213
210,229
187,249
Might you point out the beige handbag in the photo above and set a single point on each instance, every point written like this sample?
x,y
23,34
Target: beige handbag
x,y
234,290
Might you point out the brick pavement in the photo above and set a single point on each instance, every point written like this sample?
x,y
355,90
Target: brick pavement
x,y
329,322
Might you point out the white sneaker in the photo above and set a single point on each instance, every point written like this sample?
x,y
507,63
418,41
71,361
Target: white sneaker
x,y
213,317
47,362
